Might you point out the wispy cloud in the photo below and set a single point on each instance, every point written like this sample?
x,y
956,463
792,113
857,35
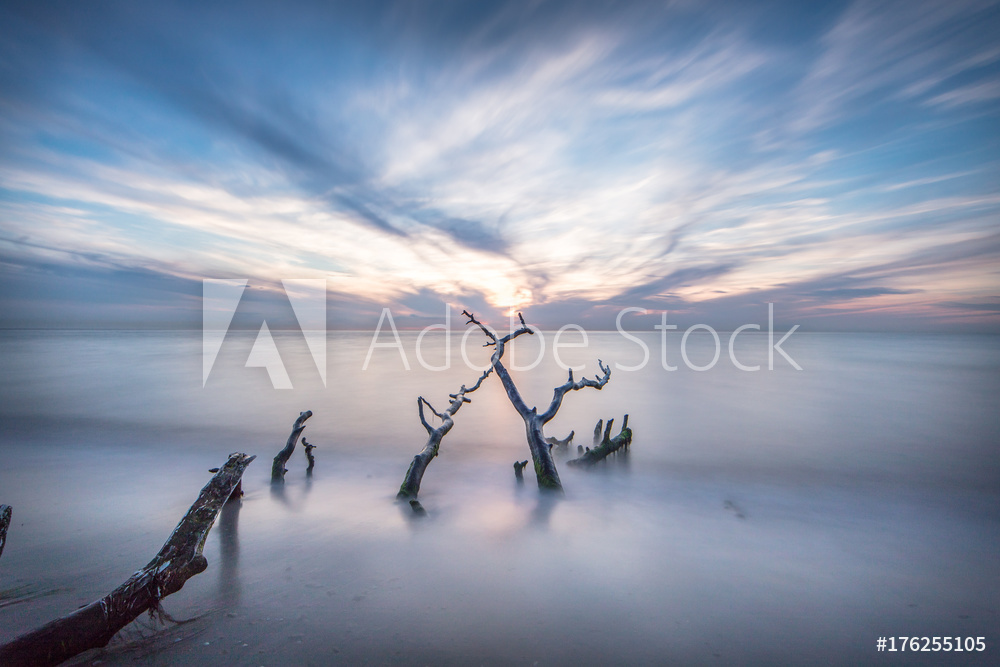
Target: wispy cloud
x,y
558,156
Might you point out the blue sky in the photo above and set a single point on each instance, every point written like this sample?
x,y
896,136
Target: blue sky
x,y
569,159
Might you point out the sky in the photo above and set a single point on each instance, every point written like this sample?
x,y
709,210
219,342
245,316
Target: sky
x,y
565,159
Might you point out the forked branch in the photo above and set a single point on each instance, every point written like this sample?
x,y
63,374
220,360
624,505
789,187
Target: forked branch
x,y
538,444
499,347
410,487
560,391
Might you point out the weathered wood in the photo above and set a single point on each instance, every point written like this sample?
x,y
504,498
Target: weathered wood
x,y
411,482
607,445
519,470
545,468
5,513
309,455
237,492
180,559
561,444
278,466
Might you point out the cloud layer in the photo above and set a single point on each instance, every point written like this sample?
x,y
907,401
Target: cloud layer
x,y
566,158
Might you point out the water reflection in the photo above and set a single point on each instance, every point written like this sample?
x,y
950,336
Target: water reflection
x,y
296,501
541,515
748,507
229,552
278,493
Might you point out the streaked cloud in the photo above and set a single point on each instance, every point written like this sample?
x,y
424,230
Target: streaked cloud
x,y
561,157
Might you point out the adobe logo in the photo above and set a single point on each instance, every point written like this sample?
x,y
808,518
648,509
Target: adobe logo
x,y
221,297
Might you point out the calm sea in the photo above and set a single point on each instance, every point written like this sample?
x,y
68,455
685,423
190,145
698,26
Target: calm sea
x,y
781,515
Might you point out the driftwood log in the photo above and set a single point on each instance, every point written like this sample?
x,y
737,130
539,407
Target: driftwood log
x,y
410,487
5,514
606,446
281,458
180,559
541,455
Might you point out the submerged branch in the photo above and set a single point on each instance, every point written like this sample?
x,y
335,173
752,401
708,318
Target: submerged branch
x,y
560,391
309,456
607,446
281,458
540,447
561,444
410,487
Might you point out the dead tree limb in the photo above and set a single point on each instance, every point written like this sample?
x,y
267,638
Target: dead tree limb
x,y
561,444
278,467
410,487
180,559
237,493
607,445
309,455
545,468
5,514
519,471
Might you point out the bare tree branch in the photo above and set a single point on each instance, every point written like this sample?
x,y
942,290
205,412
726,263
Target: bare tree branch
x,y
411,483
545,468
500,343
420,411
281,458
569,385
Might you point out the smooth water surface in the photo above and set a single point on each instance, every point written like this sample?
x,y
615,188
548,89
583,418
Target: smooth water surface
x,y
772,516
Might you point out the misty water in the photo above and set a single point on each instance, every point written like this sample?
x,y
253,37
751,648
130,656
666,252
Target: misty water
x,y
771,516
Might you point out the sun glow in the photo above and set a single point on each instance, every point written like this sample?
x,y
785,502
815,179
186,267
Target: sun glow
x,y
514,302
